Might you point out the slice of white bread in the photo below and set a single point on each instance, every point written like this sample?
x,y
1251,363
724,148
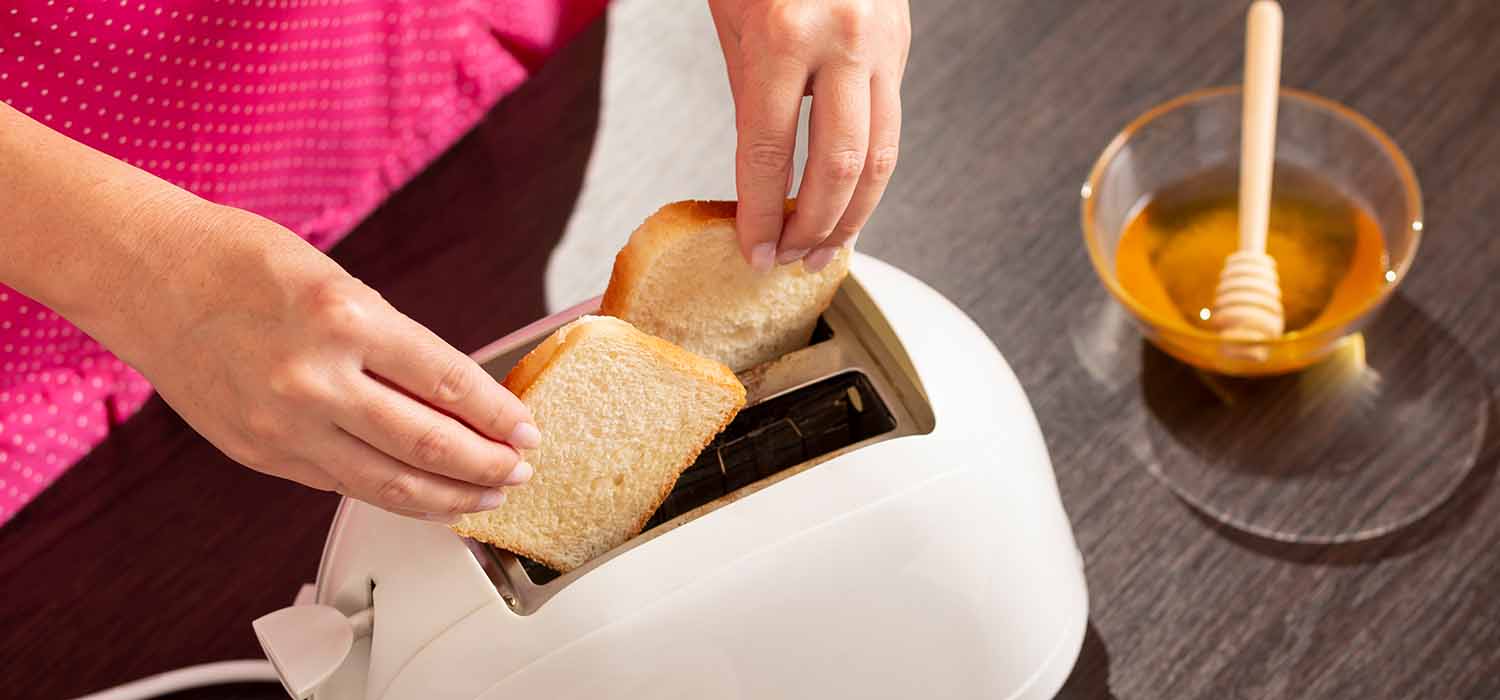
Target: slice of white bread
x,y
622,415
681,277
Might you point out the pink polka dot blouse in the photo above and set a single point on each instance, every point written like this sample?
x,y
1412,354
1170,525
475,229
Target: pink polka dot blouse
x,y
308,112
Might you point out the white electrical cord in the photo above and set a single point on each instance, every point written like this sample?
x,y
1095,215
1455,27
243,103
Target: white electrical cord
x,y
303,614
217,673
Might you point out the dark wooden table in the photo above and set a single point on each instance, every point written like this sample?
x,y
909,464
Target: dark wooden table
x,y
157,551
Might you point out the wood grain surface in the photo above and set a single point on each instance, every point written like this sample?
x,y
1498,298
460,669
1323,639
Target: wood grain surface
x,y
157,551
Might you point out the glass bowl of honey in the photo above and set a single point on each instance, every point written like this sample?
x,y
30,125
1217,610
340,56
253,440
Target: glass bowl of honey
x,y
1160,215
1365,415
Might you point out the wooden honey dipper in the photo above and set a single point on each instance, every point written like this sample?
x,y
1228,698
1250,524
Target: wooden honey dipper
x,y
1247,302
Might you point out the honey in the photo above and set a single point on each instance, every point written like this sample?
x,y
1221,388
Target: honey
x,y
1330,255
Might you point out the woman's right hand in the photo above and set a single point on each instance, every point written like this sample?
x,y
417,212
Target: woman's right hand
x,y
294,368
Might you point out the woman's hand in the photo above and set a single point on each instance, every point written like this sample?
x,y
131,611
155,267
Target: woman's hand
x,y
263,344
294,368
850,56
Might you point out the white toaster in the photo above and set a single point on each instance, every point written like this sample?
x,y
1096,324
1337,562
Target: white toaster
x,y
881,521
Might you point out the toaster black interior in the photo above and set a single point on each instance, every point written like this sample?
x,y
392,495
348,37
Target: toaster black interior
x,y
768,438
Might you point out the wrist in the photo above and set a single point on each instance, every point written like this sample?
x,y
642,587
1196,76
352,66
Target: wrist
x,y
105,288
200,262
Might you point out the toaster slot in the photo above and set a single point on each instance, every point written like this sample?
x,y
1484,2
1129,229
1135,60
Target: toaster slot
x,y
499,357
767,439
821,332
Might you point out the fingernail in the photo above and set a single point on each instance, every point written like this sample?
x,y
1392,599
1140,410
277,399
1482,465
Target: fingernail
x,y
443,518
791,255
520,474
492,499
762,257
819,259
525,436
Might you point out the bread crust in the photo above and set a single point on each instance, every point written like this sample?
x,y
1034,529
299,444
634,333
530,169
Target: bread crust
x,y
531,366
683,218
535,365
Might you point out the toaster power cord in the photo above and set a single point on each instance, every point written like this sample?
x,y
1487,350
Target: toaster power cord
x,y
202,675
304,644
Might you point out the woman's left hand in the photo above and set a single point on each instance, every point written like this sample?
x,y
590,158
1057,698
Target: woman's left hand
x,y
850,55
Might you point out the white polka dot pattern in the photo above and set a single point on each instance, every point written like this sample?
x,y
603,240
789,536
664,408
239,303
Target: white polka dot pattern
x,y
308,112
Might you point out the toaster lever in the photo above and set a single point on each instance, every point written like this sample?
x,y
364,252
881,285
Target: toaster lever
x,y
307,643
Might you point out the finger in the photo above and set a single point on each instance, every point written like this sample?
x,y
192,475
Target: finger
x,y
420,363
885,141
374,477
767,103
445,518
426,439
838,140
729,38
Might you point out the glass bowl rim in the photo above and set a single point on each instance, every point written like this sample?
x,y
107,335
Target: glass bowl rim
x,y
1398,159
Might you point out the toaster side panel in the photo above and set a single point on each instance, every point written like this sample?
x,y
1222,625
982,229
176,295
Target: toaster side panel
x,y
942,592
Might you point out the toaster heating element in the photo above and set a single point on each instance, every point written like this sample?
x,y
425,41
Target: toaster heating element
x,y
844,390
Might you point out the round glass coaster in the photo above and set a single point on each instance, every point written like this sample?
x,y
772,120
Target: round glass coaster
x,y
1374,438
